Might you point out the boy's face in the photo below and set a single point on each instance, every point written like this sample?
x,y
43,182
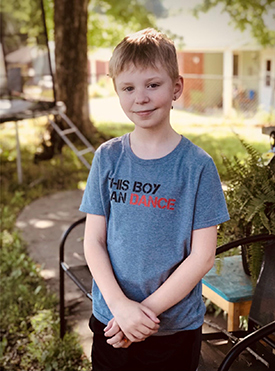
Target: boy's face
x,y
146,95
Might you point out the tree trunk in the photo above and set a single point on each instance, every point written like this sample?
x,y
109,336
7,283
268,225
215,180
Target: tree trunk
x,y
71,62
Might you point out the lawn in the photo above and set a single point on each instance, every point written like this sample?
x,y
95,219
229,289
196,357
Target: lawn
x,y
220,138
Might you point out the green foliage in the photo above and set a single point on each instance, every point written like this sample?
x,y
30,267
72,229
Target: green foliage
x,y
212,308
26,15
246,14
221,145
28,319
250,196
23,288
46,351
109,21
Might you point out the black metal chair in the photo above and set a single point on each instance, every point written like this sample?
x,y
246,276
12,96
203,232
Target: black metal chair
x,y
79,274
261,323
260,334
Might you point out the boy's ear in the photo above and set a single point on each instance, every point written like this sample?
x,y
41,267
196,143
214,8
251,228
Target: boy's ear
x,y
178,88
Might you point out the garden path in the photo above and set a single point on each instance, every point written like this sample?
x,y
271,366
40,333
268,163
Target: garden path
x,y
42,224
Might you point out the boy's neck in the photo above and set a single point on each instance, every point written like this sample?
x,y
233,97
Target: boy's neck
x,y
152,145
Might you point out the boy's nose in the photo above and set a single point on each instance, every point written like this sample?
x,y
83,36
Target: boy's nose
x,y
141,97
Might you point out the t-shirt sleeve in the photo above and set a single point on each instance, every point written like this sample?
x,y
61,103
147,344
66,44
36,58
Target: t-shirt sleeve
x,y
210,205
93,197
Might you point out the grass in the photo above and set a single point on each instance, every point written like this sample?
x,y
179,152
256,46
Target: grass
x,y
28,320
218,139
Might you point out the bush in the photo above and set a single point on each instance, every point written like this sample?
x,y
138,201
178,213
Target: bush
x,y
46,351
28,320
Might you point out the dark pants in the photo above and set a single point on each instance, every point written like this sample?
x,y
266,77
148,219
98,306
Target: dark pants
x,y
178,352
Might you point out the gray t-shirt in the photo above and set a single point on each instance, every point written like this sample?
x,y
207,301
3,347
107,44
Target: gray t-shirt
x,y
151,208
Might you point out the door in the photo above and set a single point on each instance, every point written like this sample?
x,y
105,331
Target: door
x,y
267,81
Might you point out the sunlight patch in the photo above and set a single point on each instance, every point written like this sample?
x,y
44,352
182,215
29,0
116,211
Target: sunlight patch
x,y
42,224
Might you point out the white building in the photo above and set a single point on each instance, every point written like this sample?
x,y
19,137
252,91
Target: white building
x,y
222,66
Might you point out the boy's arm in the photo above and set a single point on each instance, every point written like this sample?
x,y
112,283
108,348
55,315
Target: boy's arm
x,y
135,319
188,274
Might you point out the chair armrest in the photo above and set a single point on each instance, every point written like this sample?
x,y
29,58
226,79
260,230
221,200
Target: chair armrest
x,y
62,269
65,236
246,342
244,241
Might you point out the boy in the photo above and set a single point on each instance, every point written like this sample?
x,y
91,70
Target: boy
x,y
153,201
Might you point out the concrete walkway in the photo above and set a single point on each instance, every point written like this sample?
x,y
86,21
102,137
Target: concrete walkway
x,y
42,224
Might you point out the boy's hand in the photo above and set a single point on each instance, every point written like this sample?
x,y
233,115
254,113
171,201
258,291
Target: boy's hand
x,y
117,337
135,320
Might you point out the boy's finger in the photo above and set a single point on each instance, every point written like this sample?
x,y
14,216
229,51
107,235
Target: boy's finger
x,y
112,331
112,328
116,339
122,344
109,325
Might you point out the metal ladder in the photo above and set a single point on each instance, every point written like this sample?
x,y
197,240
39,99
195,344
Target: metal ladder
x,y
73,129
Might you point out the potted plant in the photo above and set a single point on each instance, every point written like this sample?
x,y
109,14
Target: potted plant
x,y
250,195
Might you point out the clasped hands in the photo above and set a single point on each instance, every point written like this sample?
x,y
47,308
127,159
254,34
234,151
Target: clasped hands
x,y
132,322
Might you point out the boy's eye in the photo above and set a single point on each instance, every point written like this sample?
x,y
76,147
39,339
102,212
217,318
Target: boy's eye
x,y
128,88
153,86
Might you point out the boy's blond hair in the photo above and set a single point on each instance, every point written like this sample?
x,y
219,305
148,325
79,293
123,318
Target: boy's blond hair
x,y
145,48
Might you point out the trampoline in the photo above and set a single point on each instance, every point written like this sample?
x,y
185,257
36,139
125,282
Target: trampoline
x,y
26,74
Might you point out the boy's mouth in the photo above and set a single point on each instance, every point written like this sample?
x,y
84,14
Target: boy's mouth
x,y
144,112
